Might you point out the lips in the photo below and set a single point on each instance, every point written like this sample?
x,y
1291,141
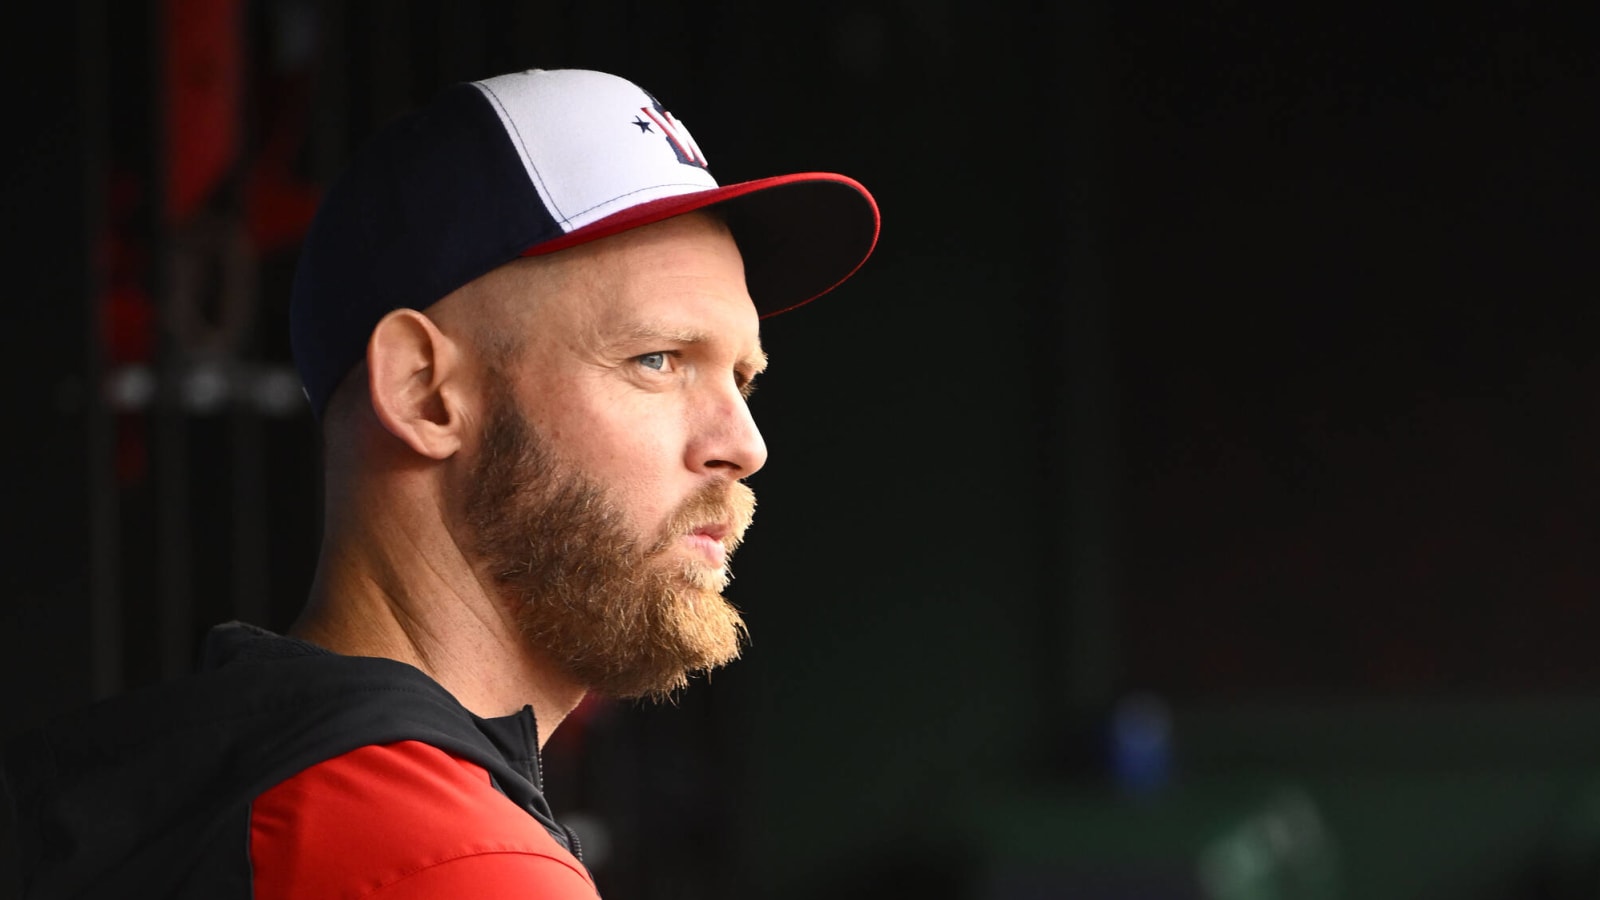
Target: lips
x,y
715,541
716,531
707,542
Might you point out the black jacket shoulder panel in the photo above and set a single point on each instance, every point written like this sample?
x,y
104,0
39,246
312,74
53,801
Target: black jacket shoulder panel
x,y
141,794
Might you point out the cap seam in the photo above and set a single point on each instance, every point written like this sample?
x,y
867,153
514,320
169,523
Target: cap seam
x,y
653,187
522,146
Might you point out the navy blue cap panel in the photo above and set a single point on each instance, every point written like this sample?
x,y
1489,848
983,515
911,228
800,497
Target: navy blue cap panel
x,y
433,201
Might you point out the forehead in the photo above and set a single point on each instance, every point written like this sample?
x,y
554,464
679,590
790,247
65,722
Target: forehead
x,y
682,277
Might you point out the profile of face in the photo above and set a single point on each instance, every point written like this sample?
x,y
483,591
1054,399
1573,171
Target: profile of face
x,y
606,495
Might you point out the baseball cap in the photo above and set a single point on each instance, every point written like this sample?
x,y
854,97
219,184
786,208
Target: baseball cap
x,y
531,163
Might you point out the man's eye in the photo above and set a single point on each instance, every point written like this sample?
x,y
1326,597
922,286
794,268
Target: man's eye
x,y
656,361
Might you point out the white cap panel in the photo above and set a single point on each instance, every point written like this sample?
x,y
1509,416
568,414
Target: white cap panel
x,y
594,144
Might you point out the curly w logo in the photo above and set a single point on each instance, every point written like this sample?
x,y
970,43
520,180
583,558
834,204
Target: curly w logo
x,y
677,136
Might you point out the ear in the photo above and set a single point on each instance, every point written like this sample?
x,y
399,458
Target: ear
x,y
414,374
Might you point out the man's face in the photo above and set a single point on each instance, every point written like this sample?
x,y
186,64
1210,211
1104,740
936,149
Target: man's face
x,y
605,496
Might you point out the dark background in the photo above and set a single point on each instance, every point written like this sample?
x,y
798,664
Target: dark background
x,y
1192,498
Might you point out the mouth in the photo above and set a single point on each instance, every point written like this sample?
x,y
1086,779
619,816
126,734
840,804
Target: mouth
x,y
709,542
716,531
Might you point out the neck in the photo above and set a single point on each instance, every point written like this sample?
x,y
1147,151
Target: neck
x,y
409,594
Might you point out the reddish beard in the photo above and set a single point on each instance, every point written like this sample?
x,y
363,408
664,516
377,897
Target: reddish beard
x,y
619,615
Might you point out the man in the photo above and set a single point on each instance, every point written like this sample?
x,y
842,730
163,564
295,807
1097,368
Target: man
x,y
526,317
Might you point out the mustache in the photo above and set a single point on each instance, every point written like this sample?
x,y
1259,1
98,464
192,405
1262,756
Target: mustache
x,y
730,503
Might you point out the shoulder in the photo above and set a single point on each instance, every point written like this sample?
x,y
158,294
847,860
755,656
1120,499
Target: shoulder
x,y
402,820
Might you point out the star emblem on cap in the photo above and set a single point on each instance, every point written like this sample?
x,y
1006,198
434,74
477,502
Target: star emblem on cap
x,y
643,125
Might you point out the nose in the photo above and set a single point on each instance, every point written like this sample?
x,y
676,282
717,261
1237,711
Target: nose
x,y
730,444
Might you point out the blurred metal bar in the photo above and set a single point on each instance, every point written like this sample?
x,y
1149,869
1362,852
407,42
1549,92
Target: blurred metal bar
x,y
241,276
1080,608
174,599
105,596
1087,341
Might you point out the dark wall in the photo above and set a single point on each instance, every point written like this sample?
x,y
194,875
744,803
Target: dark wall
x,y
1355,337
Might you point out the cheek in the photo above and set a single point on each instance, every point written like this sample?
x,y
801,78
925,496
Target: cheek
x,y
635,451
625,433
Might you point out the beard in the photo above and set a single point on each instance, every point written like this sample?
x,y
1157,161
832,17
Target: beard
x,y
620,614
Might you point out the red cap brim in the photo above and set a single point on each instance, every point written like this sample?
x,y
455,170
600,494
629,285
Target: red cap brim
x,y
800,235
